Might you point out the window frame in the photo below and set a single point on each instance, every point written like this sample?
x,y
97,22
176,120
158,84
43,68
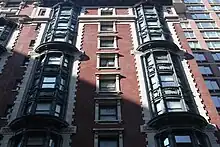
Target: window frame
x,y
189,34
107,23
212,25
207,70
210,83
110,11
107,38
196,16
198,54
101,103
109,76
101,56
206,36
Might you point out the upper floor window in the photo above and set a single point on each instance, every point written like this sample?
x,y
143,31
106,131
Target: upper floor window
x,y
42,12
106,26
107,84
49,82
216,8
167,81
192,1
185,25
199,56
216,100
213,44
206,25
194,44
200,16
54,60
205,70
196,8
212,84
211,34
216,56
189,35
214,1
106,11
107,42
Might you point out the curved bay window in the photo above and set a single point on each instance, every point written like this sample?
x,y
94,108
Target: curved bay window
x,y
180,138
36,138
62,27
166,89
48,95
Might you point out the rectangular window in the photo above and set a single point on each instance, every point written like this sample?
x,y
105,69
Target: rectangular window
x,y
213,44
192,1
106,26
216,56
49,82
212,84
216,100
205,70
54,60
167,81
57,110
206,25
199,57
107,85
196,8
214,1
107,42
107,112
107,61
185,25
108,141
211,34
106,11
156,36
194,44
174,105
152,23
35,141
183,139
216,8
189,35
200,16
42,12
43,108
32,43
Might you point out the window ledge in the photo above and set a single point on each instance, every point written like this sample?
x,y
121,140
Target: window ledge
x,y
108,48
107,68
108,98
108,121
108,92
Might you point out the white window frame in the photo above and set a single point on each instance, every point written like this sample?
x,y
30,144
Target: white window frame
x,y
107,38
108,55
199,25
188,35
107,22
101,76
117,132
106,9
194,44
116,102
217,34
185,25
211,45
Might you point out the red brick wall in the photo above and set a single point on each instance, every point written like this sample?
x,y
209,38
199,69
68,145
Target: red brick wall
x,y
27,10
91,11
85,104
121,11
13,70
205,95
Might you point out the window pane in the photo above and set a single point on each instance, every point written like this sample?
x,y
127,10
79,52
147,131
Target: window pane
x,y
107,85
35,141
183,139
211,84
200,16
108,143
216,100
107,42
205,70
49,79
199,56
216,56
43,106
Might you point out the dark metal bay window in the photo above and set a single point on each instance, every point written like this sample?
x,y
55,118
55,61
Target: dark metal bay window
x,y
36,139
180,138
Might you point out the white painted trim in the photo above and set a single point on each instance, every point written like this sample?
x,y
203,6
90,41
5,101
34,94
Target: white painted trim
x,y
189,76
